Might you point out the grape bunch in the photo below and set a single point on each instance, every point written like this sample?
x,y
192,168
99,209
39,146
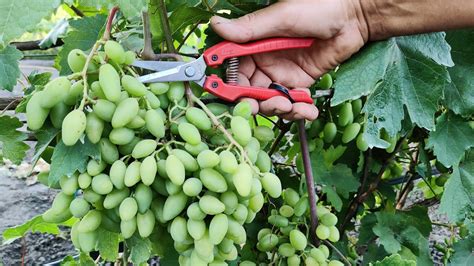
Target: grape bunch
x,y
197,173
288,235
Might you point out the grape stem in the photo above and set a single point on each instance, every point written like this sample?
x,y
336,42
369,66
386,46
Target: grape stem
x,y
327,243
284,128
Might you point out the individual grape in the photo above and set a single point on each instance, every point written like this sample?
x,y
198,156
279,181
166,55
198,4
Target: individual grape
x,y
335,263
175,170
362,145
55,92
189,133
164,101
213,180
74,125
263,134
345,115
263,232
68,184
75,236
272,185
242,179
148,170
228,162
53,216
208,159
356,107
294,260
243,109
290,196
278,220
117,174
152,100
350,132
286,211
211,205
108,151
322,232
256,202
315,128
130,57
329,219
241,130
114,51
58,113
35,114
101,184
104,109
162,168
264,162
310,261
84,180
128,227
90,221
192,187
109,80
171,188
196,149
125,112
204,248
198,118
240,214
321,211
218,228
194,212
79,207
121,136
94,127
136,123
176,91
145,223
132,174
88,241
318,255
128,209
230,200
325,250
190,164
143,196
326,81
333,234
114,198
97,92
144,148
196,228
174,204
298,239
178,230
133,86
76,59
91,196
268,242
159,88
330,131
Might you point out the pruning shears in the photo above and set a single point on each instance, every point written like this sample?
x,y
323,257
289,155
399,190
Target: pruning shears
x,y
170,71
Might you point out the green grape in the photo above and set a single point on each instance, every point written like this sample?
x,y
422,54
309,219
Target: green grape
x,y
76,59
242,179
217,108
174,204
136,123
178,230
55,92
294,260
175,170
117,174
315,128
298,239
121,136
322,232
90,221
243,109
310,261
164,101
75,236
263,232
94,127
157,206
335,263
91,196
241,130
104,109
58,113
326,81
263,134
52,216
132,174
152,100
143,196
208,159
286,211
330,131
318,255
128,209
130,57
198,118
96,91
264,162
268,242
145,223
84,180
172,188
108,151
192,187
128,227
196,228
109,81
362,145
204,248
290,196
213,180
162,168
189,133
160,186
125,112
230,200
176,91
333,234
114,198
101,184
345,115
278,220
325,250
144,148
329,219
79,207
133,86
159,88
240,214
272,185
194,212
196,149
68,184
220,263
356,107
218,228
228,162
35,114
226,245
88,241
74,125
218,140
350,132
114,51
256,202
148,170
211,205
190,164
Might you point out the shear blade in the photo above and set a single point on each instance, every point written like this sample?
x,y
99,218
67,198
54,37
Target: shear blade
x,y
157,65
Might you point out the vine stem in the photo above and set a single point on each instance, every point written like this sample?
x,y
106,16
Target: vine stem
x,y
327,243
283,130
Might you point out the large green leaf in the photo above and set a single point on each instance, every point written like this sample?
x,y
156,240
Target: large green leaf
x,y
68,159
131,8
83,34
140,249
402,72
11,140
463,252
44,136
452,137
458,197
108,244
459,93
9,69
19,16
393,260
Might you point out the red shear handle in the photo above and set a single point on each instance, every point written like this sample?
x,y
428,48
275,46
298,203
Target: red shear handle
x,y
231,93
216,55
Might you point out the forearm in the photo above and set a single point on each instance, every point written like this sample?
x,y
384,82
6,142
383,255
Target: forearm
x,y
387,18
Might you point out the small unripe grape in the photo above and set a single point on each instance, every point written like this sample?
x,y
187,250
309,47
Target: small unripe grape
x,y
74,125
350,132
330,131
208,159
101,184
76,60
114,51
55,91
110,82
243,109
298,239
326,81
128,209
322,232
90,222
192,187
345,115
329,219
35,114
159,88
176,91
241,130
333,234
133,86
362,145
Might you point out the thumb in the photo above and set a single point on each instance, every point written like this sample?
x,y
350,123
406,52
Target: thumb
x,y
264,23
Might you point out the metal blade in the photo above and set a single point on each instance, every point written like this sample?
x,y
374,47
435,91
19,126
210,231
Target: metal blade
x,y
157,65
192,71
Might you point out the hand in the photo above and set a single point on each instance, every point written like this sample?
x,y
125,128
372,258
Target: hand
x,y
337,25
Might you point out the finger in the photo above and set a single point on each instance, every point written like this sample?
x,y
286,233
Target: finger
x,y
260,79
275,106
302,111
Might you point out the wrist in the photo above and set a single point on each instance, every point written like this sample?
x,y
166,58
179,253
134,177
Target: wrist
x,y
373,20
358,15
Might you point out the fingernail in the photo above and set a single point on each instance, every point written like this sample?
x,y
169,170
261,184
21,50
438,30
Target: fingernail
x,y
219,20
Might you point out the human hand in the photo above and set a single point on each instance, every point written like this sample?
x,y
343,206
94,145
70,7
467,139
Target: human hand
x,y
337,25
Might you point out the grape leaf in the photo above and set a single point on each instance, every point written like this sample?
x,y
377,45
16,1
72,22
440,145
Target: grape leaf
x,y
19,16
131,8
452,137
463,252
52,37
9,69
185,16
86,260
402,72
82,35
140,249
393,260
44,136
458,197
108,244
68,159
13,147
459,94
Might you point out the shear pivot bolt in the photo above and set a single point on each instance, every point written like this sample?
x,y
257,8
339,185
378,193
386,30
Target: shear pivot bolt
x,y
214,57
190,71
215,84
